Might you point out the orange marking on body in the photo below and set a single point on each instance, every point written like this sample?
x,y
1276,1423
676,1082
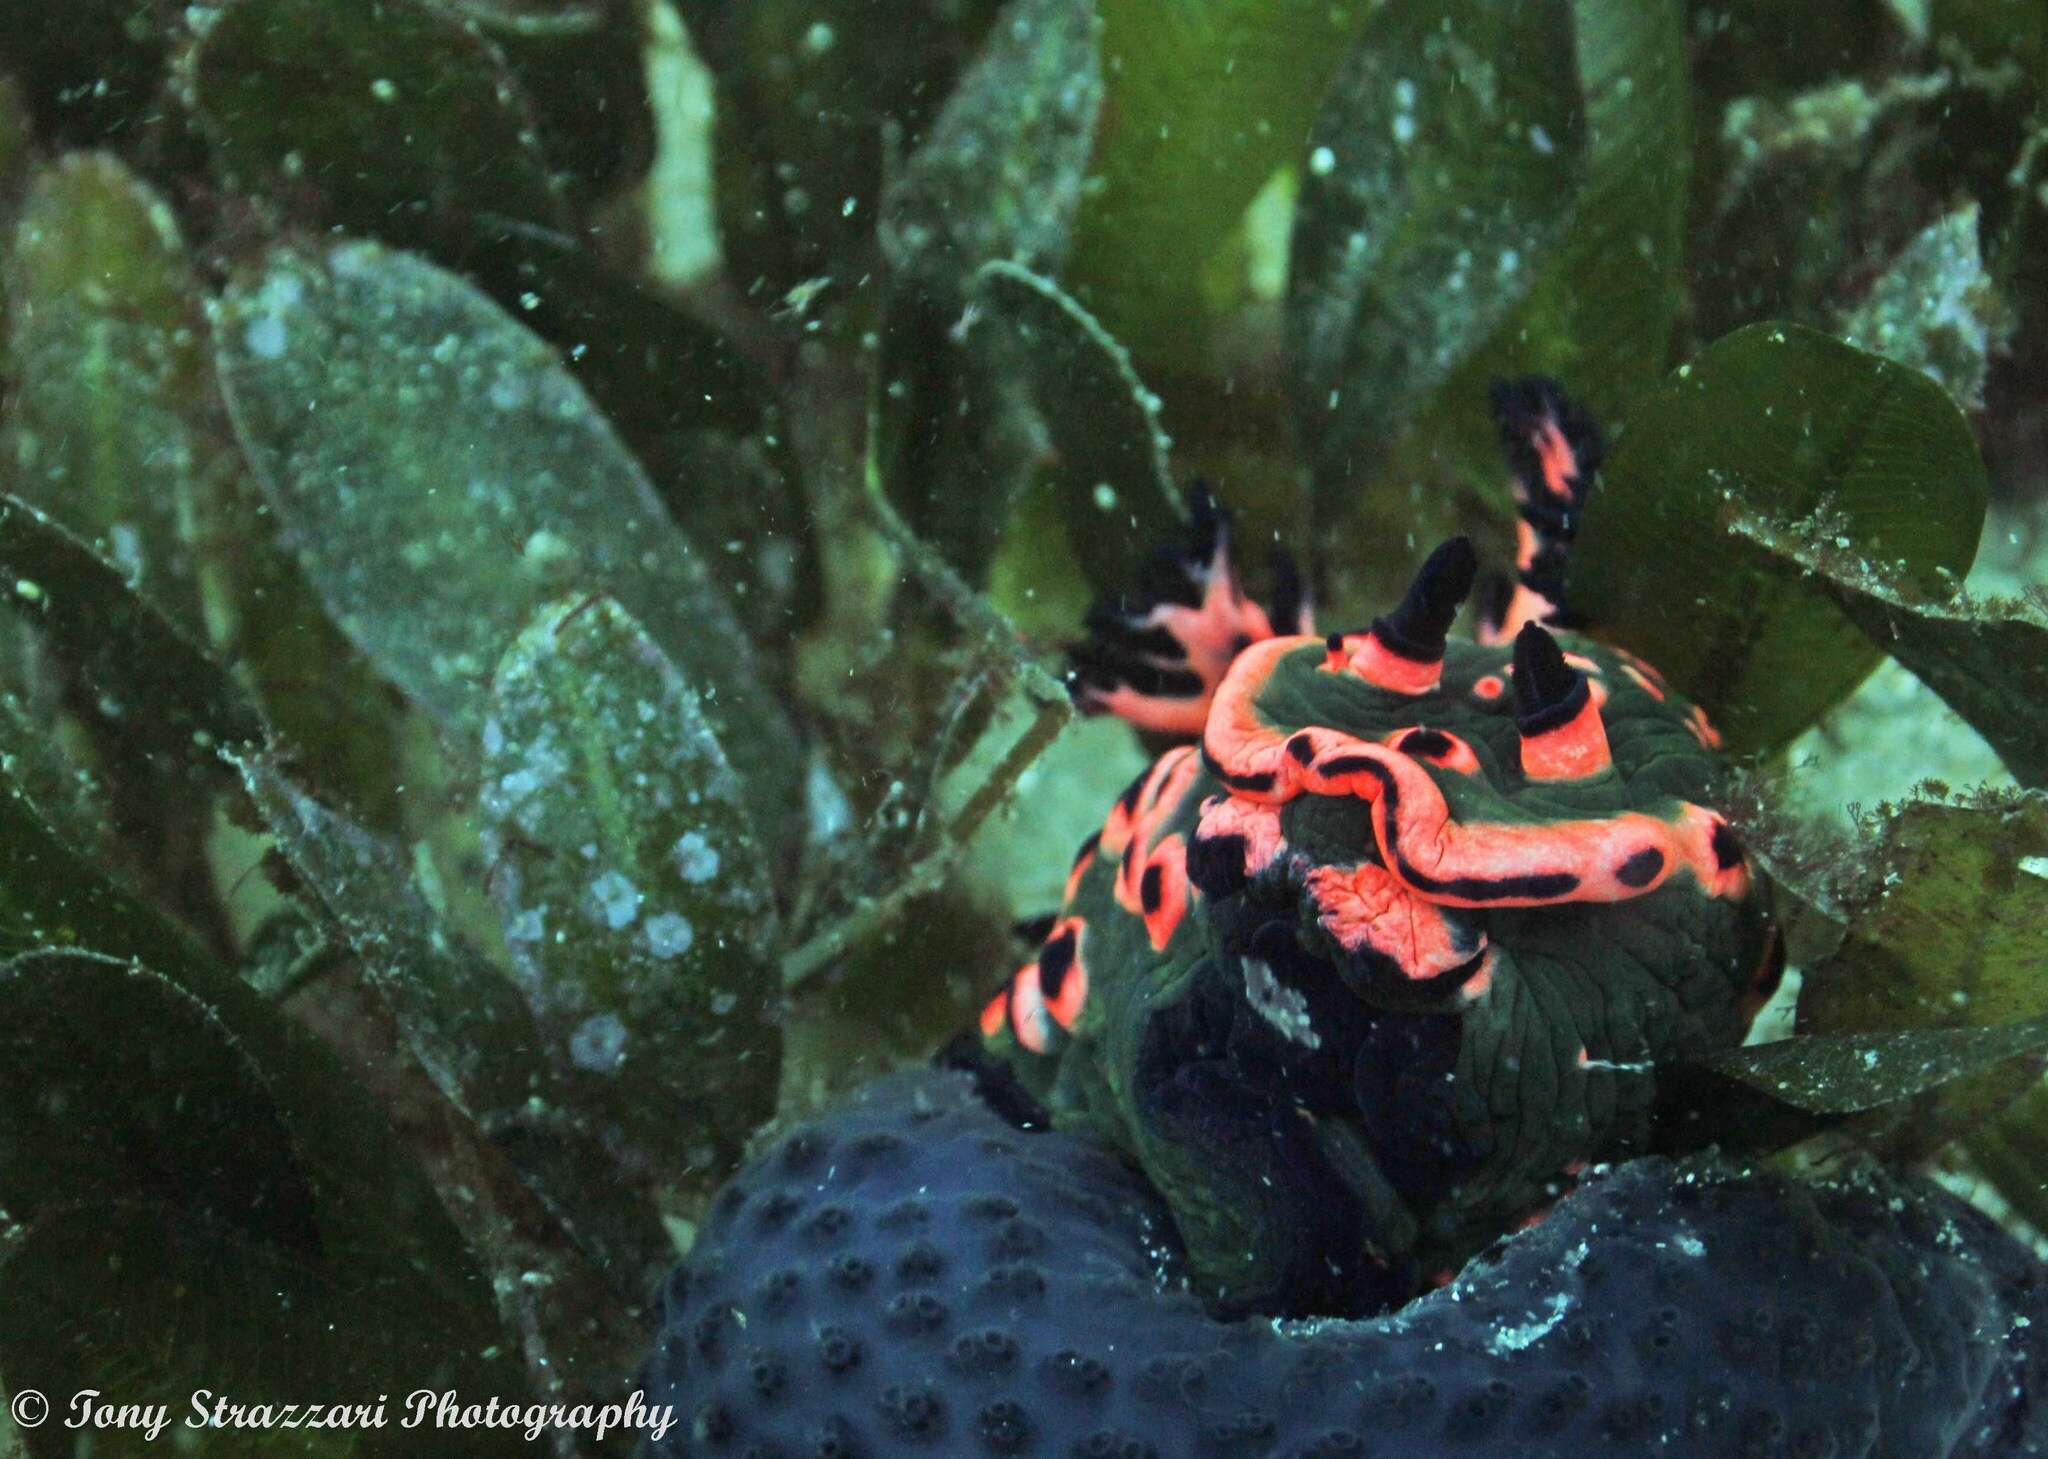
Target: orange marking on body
x,y
1170,862
1643,669
995,1013
1163,785
1065,1006
1384,669
1364,906
1237,737
1533,1216
1702,728
1647,684
1421,832
1560,463
1258,824
1028,1019
1573,750
1156,713
1480,983
1081,864
1490,686
1527,544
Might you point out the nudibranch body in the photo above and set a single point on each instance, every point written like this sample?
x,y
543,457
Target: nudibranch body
x,y
1396,941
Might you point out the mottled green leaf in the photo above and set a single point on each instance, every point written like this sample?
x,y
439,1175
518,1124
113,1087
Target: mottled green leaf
x,y
1853,1073
1935,309
463,1019
1987,658
1445,164
1780,421
163,692
1948,924
440,476
118,1084
1109,461
998,176
637,905
393,119
1934,989
107,345
1204,103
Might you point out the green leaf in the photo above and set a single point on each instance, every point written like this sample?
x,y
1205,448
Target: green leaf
x,y
464,1020
1204,103
392,119
1854,1073
998,176
80,1040
807,91
1988,659
1934,309
156,1305
1109,463
1779,421
106,342
637,905
1947,925
52,896
360,1276
1934,989
462,1017
89,70
165,694
1446,163
440,476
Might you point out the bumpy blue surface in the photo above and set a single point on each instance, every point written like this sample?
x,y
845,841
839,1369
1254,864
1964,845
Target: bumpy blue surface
x,y
913,1276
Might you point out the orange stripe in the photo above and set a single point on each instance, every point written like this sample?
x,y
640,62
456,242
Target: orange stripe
x,y
1574,750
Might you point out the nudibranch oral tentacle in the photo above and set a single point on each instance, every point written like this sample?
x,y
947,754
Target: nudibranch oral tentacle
x,y
1154,656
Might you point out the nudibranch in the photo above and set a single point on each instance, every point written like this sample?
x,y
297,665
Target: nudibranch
x,y
1348,1001
1397,935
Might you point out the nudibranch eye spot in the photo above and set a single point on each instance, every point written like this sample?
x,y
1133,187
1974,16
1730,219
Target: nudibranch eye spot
x,y
1343,940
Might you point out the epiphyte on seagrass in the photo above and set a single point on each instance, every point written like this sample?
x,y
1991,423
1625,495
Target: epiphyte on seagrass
x,y
913,1275
1394,941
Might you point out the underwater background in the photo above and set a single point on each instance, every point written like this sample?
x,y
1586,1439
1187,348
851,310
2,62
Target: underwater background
x,y
540,539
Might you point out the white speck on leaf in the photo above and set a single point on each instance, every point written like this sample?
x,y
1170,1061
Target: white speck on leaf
x,y
669,934
617,900
599,1043
696,858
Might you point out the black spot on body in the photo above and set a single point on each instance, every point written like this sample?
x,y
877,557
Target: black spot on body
x,y
1429,744
1302,748
1727,846
1640,869
1151,889
1055,961
1216,865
